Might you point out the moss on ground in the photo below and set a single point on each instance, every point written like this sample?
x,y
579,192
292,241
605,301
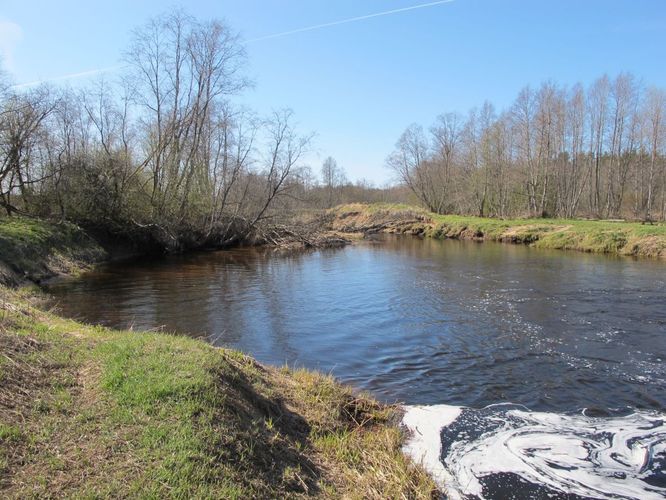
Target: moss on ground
x,y
91,412
621,238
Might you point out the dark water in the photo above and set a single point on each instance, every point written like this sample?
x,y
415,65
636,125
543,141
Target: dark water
x,y
546,368
421,322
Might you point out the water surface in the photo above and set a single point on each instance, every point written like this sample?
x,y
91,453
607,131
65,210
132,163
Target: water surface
x,y
418,321
551,363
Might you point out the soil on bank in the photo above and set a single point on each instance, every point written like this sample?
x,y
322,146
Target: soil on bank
x,y
32,250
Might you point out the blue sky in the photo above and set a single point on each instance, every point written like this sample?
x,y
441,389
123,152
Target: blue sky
x,y
359,84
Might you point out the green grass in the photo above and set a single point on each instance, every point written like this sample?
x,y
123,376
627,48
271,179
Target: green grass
x,y
91,412
35,249
622,238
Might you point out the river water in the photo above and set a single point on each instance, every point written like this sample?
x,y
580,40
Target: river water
x,y
575,343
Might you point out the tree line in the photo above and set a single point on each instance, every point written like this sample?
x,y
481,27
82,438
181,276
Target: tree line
x,y
556,151
163,148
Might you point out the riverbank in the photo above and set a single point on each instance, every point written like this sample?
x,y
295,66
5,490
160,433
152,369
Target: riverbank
x,y
32,250
86,411
92,412
618,238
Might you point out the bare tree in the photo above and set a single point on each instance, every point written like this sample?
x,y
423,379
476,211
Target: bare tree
x,y
333,178
182,70
410,161
22,118
284,149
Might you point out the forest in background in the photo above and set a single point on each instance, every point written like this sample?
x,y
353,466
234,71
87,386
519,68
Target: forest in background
x,y
597,152
164,150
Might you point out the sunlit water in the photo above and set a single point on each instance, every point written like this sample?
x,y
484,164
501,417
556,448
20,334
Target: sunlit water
x,y
569,336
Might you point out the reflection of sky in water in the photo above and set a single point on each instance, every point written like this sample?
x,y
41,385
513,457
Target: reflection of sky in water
x,y
417,321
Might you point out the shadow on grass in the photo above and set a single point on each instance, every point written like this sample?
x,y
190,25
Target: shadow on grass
x,y
270,441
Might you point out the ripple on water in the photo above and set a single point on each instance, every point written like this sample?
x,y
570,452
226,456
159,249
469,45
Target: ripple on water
x,y
429,322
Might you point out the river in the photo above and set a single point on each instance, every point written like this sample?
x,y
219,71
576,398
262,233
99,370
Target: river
x,y
560,336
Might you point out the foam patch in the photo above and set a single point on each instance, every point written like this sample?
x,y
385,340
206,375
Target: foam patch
x,y
508,451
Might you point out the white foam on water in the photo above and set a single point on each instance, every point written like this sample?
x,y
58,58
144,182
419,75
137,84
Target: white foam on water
x,y
424,446
610,457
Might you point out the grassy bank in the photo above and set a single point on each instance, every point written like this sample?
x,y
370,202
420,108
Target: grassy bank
x,y
91,412
88,412
33,249
621,238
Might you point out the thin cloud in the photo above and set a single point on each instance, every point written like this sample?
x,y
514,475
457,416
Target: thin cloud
x,y
71,76
350,20
94,72
10,35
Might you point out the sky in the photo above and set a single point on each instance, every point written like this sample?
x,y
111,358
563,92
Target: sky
x,y
355,78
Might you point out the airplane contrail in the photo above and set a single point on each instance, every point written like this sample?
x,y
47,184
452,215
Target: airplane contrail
x,y
71,76
349,20
93,72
